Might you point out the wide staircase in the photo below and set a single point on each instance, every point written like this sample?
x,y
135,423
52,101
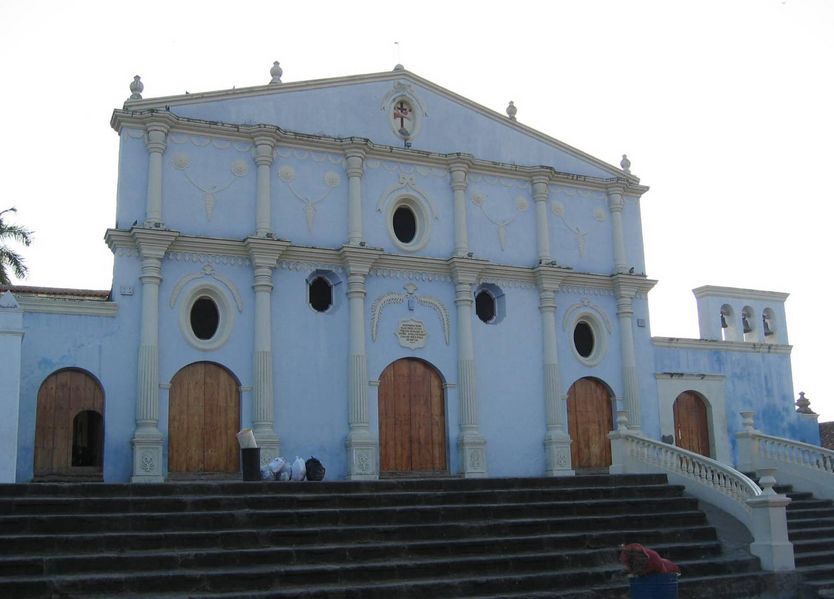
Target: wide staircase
x,y
531,537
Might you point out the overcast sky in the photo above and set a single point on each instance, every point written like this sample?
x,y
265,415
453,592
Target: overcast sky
x,y
724,108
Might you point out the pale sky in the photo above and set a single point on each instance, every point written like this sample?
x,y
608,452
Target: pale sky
x,y
724,108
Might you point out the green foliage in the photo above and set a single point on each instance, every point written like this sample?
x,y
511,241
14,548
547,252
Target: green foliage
x,y
9,259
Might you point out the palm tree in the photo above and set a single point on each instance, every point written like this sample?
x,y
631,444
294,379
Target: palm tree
x,y
8,257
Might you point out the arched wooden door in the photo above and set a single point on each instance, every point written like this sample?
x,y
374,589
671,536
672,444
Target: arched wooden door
x,y
412,420
69,426
589,422
691,423
203,419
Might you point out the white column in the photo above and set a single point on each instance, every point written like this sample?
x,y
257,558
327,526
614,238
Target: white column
x,y
147,440
264,146
264,255
459,171
362,446
556,439
615,206
631,389
354,157
471,443
156,142
540,196
11,338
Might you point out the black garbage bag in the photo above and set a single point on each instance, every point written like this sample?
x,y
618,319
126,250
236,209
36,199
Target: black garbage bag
x,y
315,469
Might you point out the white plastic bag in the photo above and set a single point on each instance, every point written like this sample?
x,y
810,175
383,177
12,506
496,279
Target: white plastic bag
x,y
275,467
299,469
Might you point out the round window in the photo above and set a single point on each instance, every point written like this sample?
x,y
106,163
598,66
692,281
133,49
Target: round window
x,y
205,318
583,339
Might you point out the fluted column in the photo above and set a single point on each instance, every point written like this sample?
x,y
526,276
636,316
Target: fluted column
x,y
471,443
459,171
556,438
147,439
264,255
362,446
355,158
264,146
631,388
11,342
156,140
615,206
540,195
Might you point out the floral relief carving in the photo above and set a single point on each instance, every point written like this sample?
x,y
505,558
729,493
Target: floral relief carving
x,y
238,169
410,299
332,180
521,205
148,464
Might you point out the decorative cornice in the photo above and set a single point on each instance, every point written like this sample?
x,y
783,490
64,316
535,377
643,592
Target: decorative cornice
x,y
707,345
632,284
358,260
739,293
56,305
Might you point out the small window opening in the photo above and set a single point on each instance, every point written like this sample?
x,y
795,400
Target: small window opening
x,y
767,322
485,306
321,294
205,318
87,439
405,224
583,339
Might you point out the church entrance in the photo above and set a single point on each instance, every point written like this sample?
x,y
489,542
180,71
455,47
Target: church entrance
x,y
412,420
69,427
691,424
203,419
589,422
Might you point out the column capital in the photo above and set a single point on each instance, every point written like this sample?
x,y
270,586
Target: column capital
x,y
355,158
539,180
264,147
629,285
549,278
265,252
615,197
466,270
153,243
459,171
156,136
359,260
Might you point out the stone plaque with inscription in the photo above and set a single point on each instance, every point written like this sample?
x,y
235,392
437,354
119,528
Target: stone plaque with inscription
x,y
412,334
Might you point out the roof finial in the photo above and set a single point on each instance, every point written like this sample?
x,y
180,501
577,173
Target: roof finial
x,y
625,164
803,404
511,111
276,71
136,88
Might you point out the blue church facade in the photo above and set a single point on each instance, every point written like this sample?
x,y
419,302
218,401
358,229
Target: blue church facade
x,y
383,274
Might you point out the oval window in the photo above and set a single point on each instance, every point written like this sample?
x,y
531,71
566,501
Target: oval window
x,y
405,224
205,318
321,294
583,339
485,306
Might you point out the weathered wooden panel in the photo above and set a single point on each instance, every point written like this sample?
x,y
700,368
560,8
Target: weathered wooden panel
x,y
589,422
691,423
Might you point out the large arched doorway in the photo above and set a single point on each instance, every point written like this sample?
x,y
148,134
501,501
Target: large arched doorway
x,y
691,423
203,419
412,420
589,422
69,427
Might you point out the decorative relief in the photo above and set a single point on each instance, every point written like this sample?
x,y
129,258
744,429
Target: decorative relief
x,y
404,109
586,305
408,169
580,235
310,155
521,205
586,290
238,169
205,259
505,182
407,186
600,213
410,275
308,267
475,459
148,464
363,461
216,142
412,334
504,283
127,252
410,299
332,180
208,271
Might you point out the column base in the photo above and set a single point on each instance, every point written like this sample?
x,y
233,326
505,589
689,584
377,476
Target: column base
x,y
269,443
362,452
472,448
147,456
557,454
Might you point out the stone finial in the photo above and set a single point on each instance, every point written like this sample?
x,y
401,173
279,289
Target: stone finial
x,y
399,67
276,71
625,164
803,404
511,111
136,88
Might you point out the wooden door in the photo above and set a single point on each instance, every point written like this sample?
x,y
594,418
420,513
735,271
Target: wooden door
x,y
412,421
589,422
691,424
62,397
203,419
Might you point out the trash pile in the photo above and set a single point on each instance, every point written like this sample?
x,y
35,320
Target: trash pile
x,y
281,469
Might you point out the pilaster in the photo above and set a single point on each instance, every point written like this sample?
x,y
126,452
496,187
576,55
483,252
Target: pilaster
x,y
264,254
355,159
626,289
362,446
471,443
147,439
556,440
459,171
156,141
615,206
11,340
264,147
541,192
